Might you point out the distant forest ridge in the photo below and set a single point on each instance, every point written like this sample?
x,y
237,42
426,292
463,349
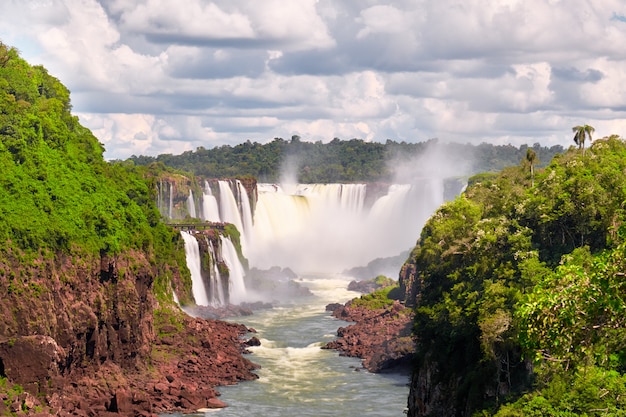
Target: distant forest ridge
x,y
347,160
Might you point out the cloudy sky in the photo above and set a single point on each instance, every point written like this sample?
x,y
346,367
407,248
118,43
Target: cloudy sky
x,y
165,76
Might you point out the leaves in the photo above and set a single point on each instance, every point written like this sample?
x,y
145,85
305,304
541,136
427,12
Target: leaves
x,y
509,273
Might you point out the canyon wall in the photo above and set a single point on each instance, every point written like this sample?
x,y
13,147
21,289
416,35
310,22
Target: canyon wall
x,y
86,335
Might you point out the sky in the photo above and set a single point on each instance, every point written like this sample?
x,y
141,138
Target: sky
x,y
164,76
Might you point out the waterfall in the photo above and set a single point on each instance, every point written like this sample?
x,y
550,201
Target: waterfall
x,y
229,209
236,286
191,205
246,215
192,252
215,295
328,228
170,207
217,288
210,210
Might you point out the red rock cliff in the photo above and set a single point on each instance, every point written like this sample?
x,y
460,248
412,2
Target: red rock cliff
x,y
86,336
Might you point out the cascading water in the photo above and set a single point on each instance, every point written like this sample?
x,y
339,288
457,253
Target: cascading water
x,y
246,215
229,209
317,231
327,228
216,287
210,210
170,207
192,252
237,287
191,205
215,295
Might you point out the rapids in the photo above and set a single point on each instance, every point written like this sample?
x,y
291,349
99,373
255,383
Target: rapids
x,y
317,231
297,377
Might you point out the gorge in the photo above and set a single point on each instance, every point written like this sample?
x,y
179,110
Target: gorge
x,y
512,293
319,232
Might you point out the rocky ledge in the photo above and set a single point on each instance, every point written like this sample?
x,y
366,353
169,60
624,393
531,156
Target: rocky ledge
x,y
86,336
184,368
381,337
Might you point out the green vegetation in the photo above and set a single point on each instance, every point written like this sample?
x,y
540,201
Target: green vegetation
x,y
58,193
380,298
337,161
581,133
383,281
511,275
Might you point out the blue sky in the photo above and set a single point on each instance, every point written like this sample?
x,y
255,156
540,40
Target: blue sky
x,y
163,76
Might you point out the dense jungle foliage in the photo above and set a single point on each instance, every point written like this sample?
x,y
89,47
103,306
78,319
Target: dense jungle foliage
x,y
338,161
57,194
520,290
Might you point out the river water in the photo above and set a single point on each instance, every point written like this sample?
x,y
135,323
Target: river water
x,y
297,377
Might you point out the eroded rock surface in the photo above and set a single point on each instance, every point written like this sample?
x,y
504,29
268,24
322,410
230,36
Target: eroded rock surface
x,y
381,337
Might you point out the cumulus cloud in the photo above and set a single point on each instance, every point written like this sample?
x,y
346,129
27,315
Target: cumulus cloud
x,y
153,76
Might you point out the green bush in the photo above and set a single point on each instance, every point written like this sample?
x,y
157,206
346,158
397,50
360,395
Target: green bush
x,y
376,300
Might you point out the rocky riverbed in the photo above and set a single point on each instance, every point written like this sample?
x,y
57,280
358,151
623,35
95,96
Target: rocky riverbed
x,y
381,337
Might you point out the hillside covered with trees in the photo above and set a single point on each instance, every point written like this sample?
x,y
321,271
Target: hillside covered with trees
x,y
87,272
339,160
519,291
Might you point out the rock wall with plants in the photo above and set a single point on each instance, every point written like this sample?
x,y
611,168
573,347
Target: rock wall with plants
x,y
87,273
518,289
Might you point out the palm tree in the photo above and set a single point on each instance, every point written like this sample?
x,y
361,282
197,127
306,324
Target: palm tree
x,y
531,157
580,133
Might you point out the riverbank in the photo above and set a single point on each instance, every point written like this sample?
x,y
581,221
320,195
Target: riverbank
x,y
380,337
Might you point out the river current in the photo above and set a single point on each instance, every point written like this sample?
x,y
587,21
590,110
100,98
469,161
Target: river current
x,y
310,227
297,377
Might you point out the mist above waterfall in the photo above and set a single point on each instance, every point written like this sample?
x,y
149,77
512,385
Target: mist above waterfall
x,y
436,161
314,228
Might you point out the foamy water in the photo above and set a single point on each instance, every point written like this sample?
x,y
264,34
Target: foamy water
x,y
297,377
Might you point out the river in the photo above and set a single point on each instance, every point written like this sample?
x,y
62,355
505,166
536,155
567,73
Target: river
x,y
297,377
323,228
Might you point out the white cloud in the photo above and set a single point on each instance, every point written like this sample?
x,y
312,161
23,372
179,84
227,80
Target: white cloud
x,y
195,19
154,76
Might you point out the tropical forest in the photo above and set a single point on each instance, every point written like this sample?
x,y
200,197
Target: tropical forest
x,y
516,284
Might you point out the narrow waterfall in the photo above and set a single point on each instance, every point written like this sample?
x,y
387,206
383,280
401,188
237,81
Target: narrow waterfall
x,y
215,295
216,286
191,205
237,288
192,252
229,210
246,215
210,209
170,208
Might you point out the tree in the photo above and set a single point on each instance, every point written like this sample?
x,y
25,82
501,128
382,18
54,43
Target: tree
x,y
580,133
531,157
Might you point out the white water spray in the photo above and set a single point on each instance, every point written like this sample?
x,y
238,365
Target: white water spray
x,y
192,252
327,228
237,287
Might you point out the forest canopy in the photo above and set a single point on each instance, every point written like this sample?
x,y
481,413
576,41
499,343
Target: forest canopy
x,y
351,160
520,289
58,193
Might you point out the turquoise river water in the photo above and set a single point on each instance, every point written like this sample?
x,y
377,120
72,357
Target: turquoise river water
x,y
297,377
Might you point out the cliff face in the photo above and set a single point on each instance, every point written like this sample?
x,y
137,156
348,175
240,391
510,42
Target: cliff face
x,y
80,333
88,325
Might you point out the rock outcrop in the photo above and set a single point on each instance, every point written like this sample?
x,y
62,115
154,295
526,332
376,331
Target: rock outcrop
x,y
87,336
381,337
